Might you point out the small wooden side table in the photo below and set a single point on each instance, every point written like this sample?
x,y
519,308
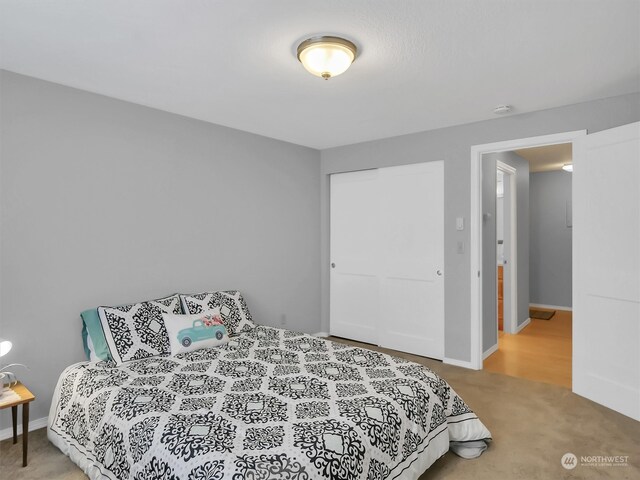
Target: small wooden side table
x,y
25,398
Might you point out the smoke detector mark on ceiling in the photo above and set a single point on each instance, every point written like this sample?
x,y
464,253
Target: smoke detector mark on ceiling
x,y
502,109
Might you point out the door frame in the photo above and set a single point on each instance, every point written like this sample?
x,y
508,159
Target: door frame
x,y
509,171
475,221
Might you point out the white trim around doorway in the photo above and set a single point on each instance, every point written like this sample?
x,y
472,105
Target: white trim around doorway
x,y
475,224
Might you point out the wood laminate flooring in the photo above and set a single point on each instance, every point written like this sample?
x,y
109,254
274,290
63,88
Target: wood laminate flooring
x,y
540,352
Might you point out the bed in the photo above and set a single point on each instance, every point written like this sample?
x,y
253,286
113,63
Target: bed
x,y
270,404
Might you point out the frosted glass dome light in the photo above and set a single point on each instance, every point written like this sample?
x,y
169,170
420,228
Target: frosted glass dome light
x,y
326,56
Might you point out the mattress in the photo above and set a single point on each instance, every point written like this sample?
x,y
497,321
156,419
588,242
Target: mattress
x,y
271,404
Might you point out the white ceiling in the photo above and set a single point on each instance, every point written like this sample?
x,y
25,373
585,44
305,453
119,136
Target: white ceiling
x,y
547,158
423,64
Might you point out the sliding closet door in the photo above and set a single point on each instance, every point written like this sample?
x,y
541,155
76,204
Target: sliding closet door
x,y
354,247
387,248
412,259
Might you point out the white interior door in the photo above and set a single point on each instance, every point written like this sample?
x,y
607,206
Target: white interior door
x,y
606,268
412,259
387,254
354,284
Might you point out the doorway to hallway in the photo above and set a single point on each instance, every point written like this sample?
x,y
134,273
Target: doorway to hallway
x,y
527,247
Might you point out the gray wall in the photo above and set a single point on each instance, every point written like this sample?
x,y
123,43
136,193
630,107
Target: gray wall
x,y
103,202
106,202
453,146
489,242
550,252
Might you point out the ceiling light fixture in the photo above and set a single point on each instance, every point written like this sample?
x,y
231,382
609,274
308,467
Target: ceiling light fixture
x,y
326,56
568,167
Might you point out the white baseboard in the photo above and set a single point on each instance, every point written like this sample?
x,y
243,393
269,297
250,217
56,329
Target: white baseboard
x,y
36,424
490,351
458,363
550,307
320,334
522,325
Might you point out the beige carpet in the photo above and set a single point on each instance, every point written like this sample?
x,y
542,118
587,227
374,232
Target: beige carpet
x,y
533,425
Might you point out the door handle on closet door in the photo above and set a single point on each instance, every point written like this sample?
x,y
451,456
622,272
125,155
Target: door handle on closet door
x,y
439,273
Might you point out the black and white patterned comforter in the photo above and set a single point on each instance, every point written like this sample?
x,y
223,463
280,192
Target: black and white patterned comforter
x,y
272,404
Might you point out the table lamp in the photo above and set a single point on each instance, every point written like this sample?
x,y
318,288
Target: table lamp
x,y
5,346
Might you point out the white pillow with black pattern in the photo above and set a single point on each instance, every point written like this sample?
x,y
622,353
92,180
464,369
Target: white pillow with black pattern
x,y
137,330
233,308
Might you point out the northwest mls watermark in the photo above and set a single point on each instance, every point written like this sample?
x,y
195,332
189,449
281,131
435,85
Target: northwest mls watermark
x,y
571,461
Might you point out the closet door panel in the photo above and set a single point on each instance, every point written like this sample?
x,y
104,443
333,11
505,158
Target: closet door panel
x,y
387,256
354,283
412,259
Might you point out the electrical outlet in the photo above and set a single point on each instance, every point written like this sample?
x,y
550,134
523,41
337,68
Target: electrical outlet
x,y
460,246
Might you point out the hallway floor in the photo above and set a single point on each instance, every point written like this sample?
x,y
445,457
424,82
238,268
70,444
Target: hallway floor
x,y
540,352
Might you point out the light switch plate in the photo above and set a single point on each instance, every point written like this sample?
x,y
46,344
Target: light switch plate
x,y
460,223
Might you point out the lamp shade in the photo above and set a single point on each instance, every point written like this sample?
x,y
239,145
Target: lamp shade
x,y
568,167
326,56
5,346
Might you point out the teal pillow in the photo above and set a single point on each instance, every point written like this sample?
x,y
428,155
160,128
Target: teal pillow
x,y
92,327
87,352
